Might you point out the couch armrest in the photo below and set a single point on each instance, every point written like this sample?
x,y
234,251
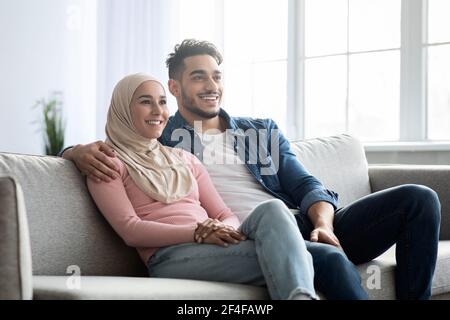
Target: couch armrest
x,y
15,252
435,177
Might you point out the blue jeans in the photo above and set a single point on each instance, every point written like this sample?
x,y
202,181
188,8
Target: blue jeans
x,y
407,215
274,255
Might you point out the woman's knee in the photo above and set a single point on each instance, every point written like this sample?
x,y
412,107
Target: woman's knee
x,y
273,209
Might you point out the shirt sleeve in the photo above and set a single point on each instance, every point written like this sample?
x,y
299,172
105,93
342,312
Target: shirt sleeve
x,y
113,202
304,188
210,199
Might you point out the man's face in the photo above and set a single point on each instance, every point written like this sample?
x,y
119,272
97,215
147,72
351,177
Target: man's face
x,y
201,86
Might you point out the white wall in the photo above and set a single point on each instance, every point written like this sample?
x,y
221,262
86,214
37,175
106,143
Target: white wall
x,y
46,45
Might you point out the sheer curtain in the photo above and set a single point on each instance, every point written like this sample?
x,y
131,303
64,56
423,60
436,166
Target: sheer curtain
x,y
132,36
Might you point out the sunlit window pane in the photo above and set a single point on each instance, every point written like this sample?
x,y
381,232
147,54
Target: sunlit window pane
x,y
325,27
193,20
255,30
255,53
439,22
257,90
439,92
238,81
374,24
269,92
374,96
325,96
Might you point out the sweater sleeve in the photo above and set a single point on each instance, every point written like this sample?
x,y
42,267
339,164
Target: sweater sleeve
x,y
113,202
210,199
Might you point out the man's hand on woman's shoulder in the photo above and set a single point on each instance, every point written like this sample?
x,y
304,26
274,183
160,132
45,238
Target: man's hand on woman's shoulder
x,y
94,160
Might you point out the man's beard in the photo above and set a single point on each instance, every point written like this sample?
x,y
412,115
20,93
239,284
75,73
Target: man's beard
x,y
191,106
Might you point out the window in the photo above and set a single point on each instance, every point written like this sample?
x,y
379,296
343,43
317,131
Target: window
x,y
352,68
438,89
376,69
255,58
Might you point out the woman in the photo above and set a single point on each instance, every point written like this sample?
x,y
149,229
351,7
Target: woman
x,y
166,206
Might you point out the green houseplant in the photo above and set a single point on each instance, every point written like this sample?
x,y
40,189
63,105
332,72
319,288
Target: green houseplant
x,y
52,123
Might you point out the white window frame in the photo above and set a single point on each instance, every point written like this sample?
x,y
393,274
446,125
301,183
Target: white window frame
x,y
413,78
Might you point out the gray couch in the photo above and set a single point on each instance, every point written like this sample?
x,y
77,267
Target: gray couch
x,y
67,234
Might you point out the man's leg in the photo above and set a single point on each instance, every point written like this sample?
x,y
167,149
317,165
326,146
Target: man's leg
x,y
335,275
408,216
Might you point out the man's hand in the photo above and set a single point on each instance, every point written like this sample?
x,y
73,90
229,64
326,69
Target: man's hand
x,y
325,235
321,215
93,160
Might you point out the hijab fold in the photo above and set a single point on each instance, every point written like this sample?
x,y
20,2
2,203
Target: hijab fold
x,y
156,169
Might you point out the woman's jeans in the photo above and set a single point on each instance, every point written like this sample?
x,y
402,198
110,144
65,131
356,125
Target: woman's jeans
x,y
407,215
274,255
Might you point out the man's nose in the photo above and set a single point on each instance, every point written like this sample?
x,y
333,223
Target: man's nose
x,y
211,85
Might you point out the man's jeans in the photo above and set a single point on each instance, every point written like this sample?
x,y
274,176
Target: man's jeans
x,y
407,215
274,255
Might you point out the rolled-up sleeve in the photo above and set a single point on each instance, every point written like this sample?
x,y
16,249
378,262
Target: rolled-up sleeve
x,y
318,195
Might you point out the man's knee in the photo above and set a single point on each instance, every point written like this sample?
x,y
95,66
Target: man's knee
x,y
424,198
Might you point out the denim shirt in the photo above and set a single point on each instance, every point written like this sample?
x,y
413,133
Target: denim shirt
x,y
268,157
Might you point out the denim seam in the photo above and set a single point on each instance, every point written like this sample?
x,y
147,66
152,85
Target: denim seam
x,y
270,274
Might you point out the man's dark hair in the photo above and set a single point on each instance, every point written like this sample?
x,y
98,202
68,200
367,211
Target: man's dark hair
x,y
189,48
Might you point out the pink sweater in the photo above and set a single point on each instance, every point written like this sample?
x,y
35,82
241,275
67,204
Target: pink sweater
x,y
147,224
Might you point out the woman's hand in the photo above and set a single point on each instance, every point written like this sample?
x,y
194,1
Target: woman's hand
x,y
207,227
224,236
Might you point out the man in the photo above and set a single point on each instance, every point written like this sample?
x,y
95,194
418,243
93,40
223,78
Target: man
x,y
407,215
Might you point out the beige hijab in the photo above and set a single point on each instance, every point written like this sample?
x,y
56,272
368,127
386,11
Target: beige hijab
x,y
156,169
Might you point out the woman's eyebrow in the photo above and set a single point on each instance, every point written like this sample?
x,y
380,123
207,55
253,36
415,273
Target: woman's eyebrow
x,y
148,96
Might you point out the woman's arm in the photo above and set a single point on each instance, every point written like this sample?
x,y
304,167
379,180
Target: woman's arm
x,y
112,200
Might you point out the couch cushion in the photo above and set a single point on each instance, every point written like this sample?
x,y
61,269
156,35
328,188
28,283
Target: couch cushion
x,y
65,226
48,287
15,252
386,263
339,162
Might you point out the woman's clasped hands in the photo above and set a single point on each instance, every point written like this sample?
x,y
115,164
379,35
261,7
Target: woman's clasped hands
x,y
213,231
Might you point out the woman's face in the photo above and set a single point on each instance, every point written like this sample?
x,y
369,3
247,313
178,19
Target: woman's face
x,y
149,109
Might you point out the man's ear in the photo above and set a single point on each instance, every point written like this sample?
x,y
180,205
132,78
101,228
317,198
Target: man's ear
x,y
174,87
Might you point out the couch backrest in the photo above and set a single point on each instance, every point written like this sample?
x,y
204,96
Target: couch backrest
x,y
65,226
67,229
339,162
